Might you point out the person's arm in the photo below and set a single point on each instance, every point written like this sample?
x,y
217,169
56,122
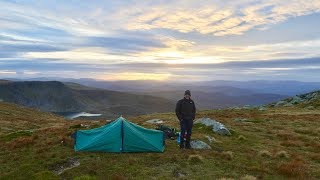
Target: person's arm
x,y
194,111
178,110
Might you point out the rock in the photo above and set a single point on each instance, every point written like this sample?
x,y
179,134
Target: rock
x,y
247,107
197,144
85,125
206,121
178,173
240,119
262,108
280,103
63,166
155,121
296,100
223,132
217,127
211,139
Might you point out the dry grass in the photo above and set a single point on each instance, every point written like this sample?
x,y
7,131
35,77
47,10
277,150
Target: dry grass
x,y
294,168
291,143
21,142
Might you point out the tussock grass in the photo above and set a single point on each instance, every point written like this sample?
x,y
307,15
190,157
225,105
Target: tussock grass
x,y
241,138
248,177
265,153
195,159
227,155
282,154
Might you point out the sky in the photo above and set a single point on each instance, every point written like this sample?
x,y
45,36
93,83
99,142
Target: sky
x,y
161,40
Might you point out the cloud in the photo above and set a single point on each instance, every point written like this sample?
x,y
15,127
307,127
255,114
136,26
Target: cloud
x,y
218,18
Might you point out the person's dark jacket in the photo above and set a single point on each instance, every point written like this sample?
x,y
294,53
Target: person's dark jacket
x,y
186,109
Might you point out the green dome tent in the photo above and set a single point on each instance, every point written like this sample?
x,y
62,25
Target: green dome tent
x,y
120,136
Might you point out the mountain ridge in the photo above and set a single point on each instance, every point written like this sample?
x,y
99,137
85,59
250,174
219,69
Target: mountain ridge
x,y
56,96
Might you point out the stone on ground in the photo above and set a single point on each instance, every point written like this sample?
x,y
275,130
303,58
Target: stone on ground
x,y
217,127
197,144
155,121
240,119
211,139
63,166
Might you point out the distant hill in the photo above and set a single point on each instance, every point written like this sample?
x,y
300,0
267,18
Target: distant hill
x,y
282,87
309,100
55,96
288,88
220,98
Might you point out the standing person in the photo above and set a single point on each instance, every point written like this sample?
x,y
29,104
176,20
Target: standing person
x,y
186,112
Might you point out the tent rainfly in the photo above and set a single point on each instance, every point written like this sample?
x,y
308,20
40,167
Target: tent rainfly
x,y
120,136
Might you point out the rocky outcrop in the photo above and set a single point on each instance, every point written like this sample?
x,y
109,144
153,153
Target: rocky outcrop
x,y
299,99
217,127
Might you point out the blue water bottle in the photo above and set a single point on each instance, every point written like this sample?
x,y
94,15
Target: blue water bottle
x,y
178,139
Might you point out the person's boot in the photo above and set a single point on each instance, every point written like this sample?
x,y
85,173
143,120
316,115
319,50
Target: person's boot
x,y
188,145
182,144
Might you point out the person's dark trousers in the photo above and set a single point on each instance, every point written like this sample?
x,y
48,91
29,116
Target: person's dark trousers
x,y
186,127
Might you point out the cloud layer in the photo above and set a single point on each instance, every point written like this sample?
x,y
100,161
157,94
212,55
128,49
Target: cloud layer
x,y
198,40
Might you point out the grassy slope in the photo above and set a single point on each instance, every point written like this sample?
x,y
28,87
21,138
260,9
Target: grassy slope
x,y
251,150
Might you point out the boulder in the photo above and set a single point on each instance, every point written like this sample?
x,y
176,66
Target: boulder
x,y
217,127
155,121
206,121
222,131
197,144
